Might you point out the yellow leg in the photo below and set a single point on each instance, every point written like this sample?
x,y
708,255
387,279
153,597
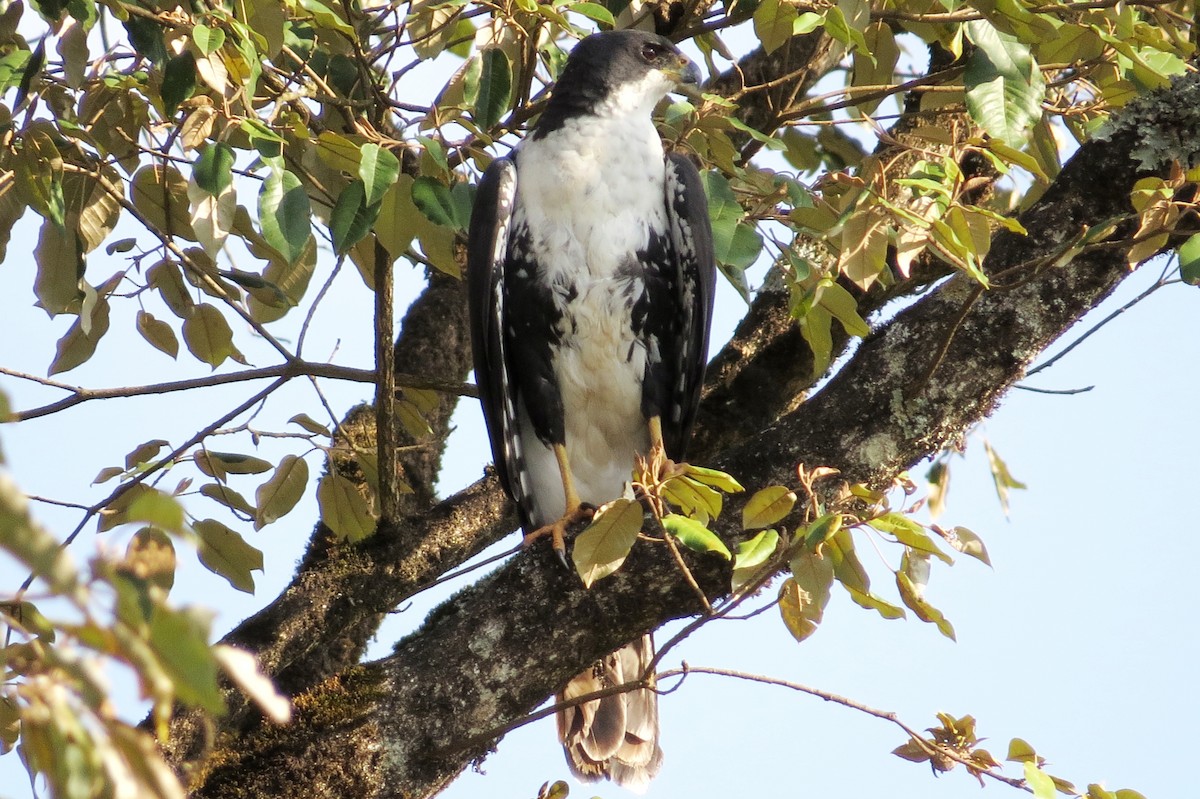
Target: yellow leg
x,y
568,479
656,436
574,512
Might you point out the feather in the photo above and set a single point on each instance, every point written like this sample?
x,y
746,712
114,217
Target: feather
x,y
616,736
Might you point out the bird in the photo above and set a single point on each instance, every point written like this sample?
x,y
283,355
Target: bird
x,y
590,275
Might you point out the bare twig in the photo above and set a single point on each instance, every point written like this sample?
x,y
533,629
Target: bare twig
x,y
287,371
1158,284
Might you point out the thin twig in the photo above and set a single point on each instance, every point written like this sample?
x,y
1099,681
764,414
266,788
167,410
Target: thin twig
x,y
289,370
837,699
1090,331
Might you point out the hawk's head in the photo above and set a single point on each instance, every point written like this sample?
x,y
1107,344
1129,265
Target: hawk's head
x,y
617,72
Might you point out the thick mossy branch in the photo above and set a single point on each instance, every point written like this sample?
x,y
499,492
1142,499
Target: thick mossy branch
x,y
493,652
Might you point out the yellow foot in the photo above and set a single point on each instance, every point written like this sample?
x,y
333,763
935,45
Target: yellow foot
x,y
582,512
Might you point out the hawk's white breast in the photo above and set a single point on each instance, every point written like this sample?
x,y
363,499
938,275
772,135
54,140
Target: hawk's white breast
x,y
589,194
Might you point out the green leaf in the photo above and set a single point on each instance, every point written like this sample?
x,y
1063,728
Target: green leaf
x,y
60,267
1039,781
1001,476
116,512
694,535
179,81
812,576
752,554
276,497
1020,751
712,477
594,12
909,533
326,17
213,168
284,214
225,553
34,622
378,169
693,498
734,242
160,193
207,39
495,88
106,474
157,333
156,508
397,222
168,279
352,218
1004,86
822,529
767,507
842,307
146,36
1189,260
208,336
603,546
774,21
344,509
769,142
29,543
180,640
434,200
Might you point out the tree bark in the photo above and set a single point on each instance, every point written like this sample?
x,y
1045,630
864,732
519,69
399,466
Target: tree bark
x,y
406,725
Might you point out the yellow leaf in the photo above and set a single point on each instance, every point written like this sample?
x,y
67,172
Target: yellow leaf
x,y
603,546
768,507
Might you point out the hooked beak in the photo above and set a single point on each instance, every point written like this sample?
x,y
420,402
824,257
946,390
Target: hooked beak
x,y
687,77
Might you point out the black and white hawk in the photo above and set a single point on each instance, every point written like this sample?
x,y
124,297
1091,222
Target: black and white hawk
x,y
590,277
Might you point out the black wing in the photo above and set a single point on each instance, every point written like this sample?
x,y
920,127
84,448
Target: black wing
x,y
487,250
691,239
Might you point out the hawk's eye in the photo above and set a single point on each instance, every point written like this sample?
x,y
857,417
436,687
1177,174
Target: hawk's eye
x,y
652,52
